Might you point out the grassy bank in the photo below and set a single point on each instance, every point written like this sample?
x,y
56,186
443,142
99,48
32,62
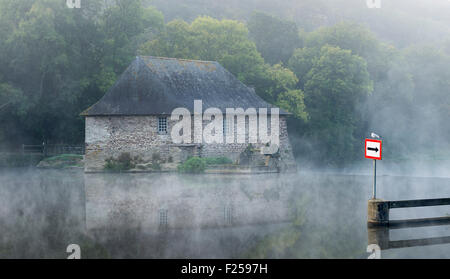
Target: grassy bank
x,y
62,161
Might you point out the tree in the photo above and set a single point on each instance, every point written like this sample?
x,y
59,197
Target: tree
x,y
302,61
275,39
225,41
336,83
58,61
277,80
357,38
122,26
293,102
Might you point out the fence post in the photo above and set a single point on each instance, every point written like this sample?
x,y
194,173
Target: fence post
x,y
44,149
377,212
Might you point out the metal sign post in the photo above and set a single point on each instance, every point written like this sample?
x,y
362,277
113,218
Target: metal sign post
x,y
373,150
374,179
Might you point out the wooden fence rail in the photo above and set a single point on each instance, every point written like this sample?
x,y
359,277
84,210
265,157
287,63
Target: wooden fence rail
x,y
378,210
32,149
419,203
52,149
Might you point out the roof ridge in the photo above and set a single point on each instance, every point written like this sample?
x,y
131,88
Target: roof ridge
x,y
157,85
173,58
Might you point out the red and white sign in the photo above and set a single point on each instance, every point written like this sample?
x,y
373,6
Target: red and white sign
x,y
373,149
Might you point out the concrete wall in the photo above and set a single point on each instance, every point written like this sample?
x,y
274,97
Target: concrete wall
x,y
110,136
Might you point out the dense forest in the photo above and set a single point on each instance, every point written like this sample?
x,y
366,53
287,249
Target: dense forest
x,y
343,70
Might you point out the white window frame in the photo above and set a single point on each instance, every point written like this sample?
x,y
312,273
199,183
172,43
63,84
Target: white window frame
x,y
162,125
226,126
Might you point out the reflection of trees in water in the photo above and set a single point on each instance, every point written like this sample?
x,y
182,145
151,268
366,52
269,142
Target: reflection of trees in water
x,y
326,223
42,213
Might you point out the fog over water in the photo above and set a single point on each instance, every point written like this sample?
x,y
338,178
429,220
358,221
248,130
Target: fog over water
x,y
302,215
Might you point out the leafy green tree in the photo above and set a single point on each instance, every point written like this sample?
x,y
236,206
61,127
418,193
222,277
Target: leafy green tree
x,y
40,67
62,60
357,38
336,83
225,41
293,102
302,61
277,80
122,25
275,39
175,40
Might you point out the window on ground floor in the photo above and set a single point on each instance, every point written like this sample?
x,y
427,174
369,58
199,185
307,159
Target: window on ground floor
x,y
162,125
227,124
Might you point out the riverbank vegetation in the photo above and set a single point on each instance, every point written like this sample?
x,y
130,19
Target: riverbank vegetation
x,y
62,161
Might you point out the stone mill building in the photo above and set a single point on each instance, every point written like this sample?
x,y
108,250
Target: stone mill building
x,y
134,116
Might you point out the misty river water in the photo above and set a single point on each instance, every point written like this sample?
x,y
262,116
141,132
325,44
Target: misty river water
x,y
301,215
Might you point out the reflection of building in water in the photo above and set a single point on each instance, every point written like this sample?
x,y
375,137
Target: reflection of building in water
x,y
160,202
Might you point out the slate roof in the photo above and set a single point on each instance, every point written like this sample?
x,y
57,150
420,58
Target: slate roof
x,y
157,85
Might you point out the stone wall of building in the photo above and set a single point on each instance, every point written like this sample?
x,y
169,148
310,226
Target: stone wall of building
x,y
233,150
108,137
